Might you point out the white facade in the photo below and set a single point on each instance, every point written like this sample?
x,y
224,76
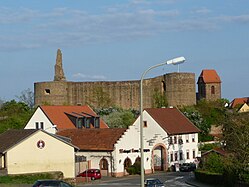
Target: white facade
x,y
157,149
40,152
40,121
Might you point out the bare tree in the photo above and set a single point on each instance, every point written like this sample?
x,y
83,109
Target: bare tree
x,y
27,97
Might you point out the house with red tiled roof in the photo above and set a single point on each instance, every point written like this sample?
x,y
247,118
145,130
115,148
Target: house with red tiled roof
x,y
209,85
169,139
238,102
56,118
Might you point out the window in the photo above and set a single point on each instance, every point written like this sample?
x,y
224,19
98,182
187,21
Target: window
x,y
187,153
87,122
103,164
212,90
96,122
171,157
170,140
79,123
47,91
145,123
187,138
193,137
181,155
193,153
176,156
37,125
180,140
42,126
175,140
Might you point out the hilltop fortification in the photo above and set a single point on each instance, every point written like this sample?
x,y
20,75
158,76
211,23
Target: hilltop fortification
x,y
178,89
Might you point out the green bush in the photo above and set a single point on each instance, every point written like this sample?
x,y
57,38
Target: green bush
x,y
209,177
29,178
134,169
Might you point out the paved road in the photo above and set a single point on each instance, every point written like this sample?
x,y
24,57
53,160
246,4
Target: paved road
x,y
174,179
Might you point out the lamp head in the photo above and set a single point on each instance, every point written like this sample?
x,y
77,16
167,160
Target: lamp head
x,y
175,61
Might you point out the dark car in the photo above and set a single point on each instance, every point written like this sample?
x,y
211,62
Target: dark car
x,y
92,173
51,183
187,167
153,182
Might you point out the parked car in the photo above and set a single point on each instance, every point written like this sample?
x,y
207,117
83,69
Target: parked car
x,y
188,167
153,182
92,173
51,183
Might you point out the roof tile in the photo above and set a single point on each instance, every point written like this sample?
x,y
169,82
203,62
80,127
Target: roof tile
x,y
58,115
209,76
93,139
172,121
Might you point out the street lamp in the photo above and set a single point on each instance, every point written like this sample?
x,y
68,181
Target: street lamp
x,y
174,61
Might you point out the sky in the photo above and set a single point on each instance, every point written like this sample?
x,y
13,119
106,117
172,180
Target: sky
x,y
117,40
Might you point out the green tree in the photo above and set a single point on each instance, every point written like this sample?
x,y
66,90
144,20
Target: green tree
x,y
236,138
100,98
116,117
159,100
213,163
14,115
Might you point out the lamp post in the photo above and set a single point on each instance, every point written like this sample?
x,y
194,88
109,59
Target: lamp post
x,y
174,61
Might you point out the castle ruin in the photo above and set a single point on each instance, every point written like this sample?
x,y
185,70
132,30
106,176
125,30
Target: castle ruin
x,y
178,89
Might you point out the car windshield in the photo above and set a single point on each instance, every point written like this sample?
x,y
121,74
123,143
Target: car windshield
x,y
47,184
153,181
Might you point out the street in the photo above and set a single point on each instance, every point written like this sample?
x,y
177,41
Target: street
x,y
170,179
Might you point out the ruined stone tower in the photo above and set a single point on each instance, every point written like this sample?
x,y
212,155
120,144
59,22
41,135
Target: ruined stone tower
x,y
59,73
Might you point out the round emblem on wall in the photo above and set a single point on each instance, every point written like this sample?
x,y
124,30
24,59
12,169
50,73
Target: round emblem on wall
x,y
40,144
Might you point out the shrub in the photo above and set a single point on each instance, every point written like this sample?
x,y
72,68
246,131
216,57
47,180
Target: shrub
x,y
209,177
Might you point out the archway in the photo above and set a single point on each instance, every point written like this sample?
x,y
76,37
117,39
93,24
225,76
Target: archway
x,y
159,160
103,167
127,163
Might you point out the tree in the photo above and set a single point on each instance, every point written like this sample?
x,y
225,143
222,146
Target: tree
x,y
27,97
117,117
14,115
236,138
100,98
159,100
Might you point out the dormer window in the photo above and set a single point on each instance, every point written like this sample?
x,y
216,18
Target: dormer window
x,y
84,120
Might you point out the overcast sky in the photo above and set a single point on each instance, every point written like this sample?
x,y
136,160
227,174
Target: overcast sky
x,y
114,40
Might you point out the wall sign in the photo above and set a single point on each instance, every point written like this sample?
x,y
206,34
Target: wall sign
x,y
40,144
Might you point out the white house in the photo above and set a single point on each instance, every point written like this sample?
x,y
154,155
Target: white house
x,y
56,118
169,139
35,151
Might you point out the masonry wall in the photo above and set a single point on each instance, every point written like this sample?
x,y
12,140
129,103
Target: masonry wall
x,y
178,88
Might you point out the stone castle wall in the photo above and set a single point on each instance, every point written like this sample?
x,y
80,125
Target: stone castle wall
x,y
178,88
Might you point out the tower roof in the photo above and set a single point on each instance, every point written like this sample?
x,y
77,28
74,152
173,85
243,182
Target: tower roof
x,y
209,76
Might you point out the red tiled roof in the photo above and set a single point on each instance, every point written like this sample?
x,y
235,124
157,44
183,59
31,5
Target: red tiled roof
x,y
239,101
57,115
209,76
93,139
172,121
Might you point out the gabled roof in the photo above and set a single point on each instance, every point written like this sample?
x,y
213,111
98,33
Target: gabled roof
x,y
58,115
94,139
172,121
209,76
12,137
239,101
217,150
